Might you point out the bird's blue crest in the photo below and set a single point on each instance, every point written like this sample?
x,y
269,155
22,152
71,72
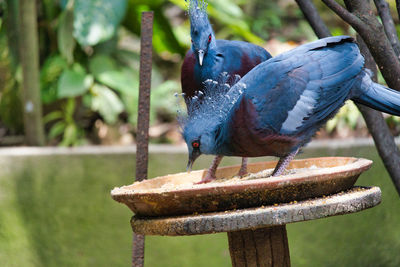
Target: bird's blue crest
x,y
197,10
209,108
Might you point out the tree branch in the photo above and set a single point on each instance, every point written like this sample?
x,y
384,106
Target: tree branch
x,y
373,35
388,25
379,130
385,144
312,16
342,12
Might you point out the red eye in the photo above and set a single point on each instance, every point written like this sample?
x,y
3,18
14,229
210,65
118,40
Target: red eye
x,y
195,144
209,38
191,40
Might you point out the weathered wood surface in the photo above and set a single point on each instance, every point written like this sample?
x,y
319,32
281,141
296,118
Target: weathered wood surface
x,y
353,200
177,194
264,247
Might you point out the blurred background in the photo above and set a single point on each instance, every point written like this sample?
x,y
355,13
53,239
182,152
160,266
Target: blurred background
x,y
89,64
55,204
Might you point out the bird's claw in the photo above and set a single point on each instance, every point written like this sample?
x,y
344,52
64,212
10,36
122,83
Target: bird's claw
x,y
242,173
207,179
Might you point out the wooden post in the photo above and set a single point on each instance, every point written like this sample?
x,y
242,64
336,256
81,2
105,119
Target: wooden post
x,y
143,120
29,56
264,247
257,236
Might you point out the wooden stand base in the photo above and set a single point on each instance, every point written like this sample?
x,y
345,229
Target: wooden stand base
x,y
257,236
264,247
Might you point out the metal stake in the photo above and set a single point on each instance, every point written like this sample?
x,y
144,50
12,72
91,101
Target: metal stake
x,y
142,136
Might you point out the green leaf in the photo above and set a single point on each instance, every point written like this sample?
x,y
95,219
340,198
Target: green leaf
x,y
69,110
123,80
48,94
70,135
228,7
49,74
51,69
164,34
96,21
66,42
105,70
54,115
73,82
107,103
57,129
101,63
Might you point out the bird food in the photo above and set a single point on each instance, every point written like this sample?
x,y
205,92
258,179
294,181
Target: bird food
x,y
224,180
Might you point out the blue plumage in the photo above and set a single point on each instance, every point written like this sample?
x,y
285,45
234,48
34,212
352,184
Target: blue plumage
x,y
280,104
209,58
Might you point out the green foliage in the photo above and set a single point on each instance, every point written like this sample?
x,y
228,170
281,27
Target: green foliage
x,y
74,82
64,125
96,21
348,116
105,70
66,42
106,102
10,104
49,76
11,108
90,55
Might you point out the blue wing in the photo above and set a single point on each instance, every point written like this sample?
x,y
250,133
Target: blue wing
x,y
289,97
303,88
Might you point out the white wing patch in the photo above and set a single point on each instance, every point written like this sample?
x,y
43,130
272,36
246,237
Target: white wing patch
x,y
301,110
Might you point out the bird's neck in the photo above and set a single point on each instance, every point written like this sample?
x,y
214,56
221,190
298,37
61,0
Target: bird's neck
x,y
211,56
221,136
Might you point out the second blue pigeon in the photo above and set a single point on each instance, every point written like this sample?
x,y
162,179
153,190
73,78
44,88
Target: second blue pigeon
x,y
276,108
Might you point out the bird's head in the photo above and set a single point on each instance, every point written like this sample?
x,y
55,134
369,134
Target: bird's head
x,y
200,139
201,32
203,127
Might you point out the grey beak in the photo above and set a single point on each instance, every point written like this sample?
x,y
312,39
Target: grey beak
x,y
201,56
192,158
189,166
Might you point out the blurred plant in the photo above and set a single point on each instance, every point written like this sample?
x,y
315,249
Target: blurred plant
x,y
10,73
65,125
348,117
89,54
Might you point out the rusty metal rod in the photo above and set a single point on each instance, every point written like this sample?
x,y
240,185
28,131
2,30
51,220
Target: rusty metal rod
x,y
142,137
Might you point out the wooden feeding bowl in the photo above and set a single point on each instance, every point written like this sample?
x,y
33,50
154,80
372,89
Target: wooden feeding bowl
x,y
178,194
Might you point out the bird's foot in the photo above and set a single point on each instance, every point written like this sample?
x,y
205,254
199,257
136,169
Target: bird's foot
x,y
243,169
283,163
242,173
210,175
207,178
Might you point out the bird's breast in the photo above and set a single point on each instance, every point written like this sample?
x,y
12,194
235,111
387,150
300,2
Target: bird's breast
x,y
248,139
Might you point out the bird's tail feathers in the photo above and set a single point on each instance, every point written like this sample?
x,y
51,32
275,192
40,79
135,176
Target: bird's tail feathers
x,y
376,96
